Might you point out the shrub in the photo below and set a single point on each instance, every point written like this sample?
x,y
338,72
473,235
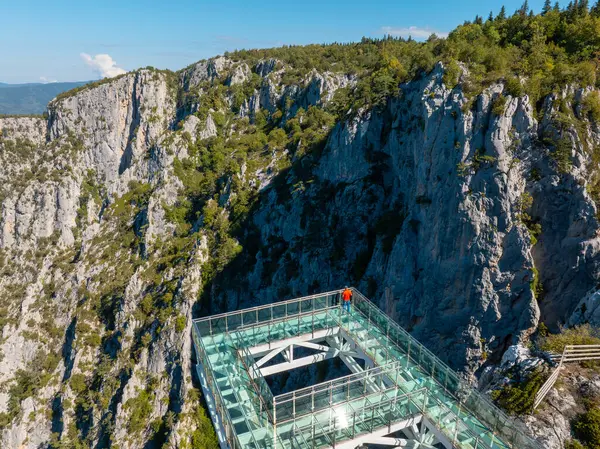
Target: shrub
x,y
140,409
499,105
451,74
180,323
578,335
587,428
591,106
78,384
562,154
518,398
514,88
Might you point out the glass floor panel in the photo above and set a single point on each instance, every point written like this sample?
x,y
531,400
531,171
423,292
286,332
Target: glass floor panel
x,y
405,382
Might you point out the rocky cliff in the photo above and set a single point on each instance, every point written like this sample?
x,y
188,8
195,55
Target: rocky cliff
x,y
156,196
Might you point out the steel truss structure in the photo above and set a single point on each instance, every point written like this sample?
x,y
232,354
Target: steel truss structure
x,y
397,387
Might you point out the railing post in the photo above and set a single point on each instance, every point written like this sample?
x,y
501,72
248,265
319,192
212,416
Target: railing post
x,y
330,395
274,427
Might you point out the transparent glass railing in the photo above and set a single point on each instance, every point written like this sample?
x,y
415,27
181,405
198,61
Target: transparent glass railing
x,y
220,408
510,430
452,405
240,319
350,420
292,405
264,397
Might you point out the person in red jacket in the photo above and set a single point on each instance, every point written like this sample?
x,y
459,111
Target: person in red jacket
x,y
346,297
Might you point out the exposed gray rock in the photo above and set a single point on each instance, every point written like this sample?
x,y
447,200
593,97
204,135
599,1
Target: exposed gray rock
x,y
240,74
420,197
30,128
264,67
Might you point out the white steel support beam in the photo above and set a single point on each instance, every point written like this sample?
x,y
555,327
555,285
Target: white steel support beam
x,y
297,363
316,336
394,427
314,346
269,356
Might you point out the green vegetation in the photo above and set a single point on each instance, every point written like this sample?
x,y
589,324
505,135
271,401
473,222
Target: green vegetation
x,y
578,335
534,54
517,398
586,426
139,408
590,106
27,382
204,436
524,205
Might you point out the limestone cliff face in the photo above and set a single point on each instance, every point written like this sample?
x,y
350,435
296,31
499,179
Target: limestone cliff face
x,y
420,203
424,200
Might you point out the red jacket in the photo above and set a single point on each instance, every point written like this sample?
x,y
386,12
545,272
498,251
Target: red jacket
x,y
347,294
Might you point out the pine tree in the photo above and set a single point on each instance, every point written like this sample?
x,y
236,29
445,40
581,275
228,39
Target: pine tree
x,y
556,7
478,20
490,17
596,9
502,14
547,7
524,9
584,7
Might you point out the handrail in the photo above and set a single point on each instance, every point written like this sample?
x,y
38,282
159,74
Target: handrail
x,y
354,377
264,306
346,401
449,372
227,422
285,318
366,407
571,353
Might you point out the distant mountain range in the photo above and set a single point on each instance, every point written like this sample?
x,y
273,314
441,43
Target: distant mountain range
x,y
31,98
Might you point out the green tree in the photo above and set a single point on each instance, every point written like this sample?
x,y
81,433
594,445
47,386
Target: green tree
x,y
547,7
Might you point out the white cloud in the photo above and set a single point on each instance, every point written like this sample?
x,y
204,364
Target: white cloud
x,y
45,80
412,31
103,65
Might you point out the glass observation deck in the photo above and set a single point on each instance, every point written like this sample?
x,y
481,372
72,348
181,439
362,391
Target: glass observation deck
x,y
398,388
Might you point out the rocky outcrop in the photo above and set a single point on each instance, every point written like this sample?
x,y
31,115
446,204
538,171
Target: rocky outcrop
x,y
454,251
110,230
30,128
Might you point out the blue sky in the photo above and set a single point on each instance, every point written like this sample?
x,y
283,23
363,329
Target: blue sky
x,y
58,40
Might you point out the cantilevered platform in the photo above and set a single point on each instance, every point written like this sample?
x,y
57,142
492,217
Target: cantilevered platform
x,y
399,387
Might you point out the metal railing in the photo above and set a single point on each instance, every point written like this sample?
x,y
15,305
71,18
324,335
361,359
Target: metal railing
x,y
265,397
292,405
347,421
245,318
510,430
468,400
571,353
221,410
